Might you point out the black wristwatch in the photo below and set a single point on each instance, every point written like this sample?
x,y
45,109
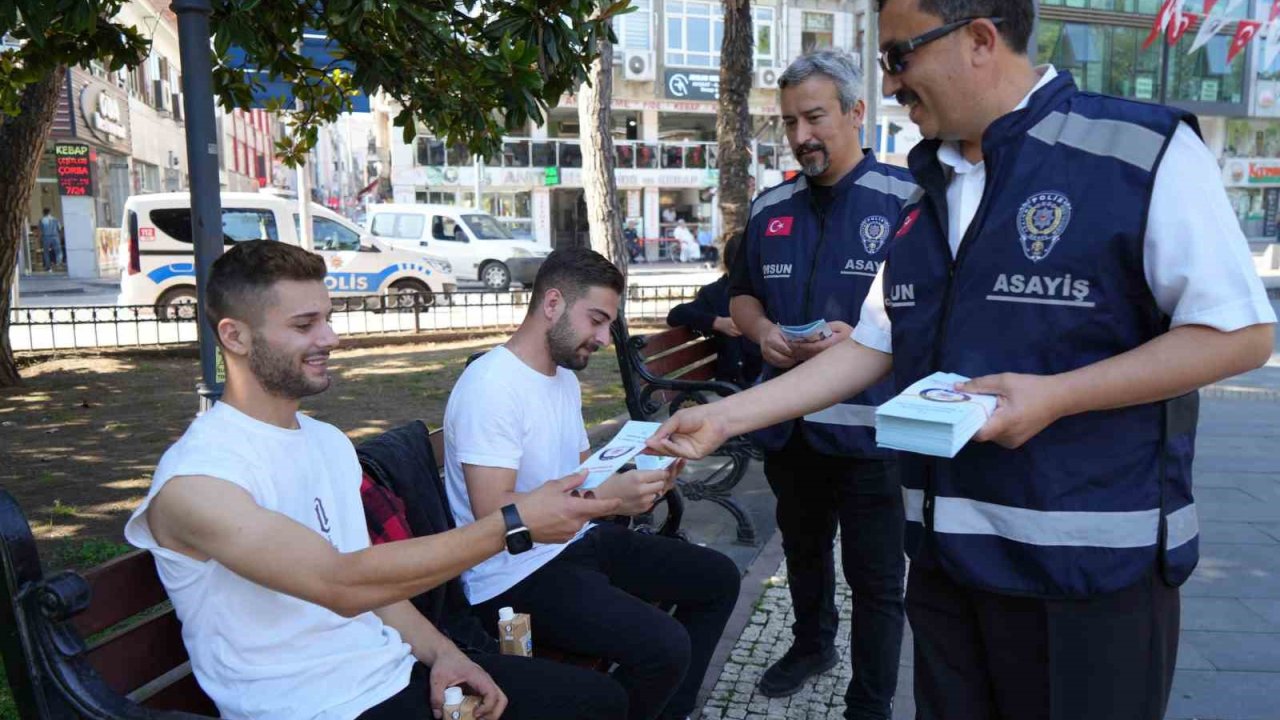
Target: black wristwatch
x,y
518,538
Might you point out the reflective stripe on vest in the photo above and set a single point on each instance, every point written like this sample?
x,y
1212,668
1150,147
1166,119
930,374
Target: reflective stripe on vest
x,y
1135,529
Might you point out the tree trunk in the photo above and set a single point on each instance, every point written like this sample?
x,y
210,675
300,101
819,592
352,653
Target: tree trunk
x,y
22,140
733,119
604,217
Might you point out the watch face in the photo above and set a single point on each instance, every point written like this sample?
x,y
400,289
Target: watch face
x,y
518,542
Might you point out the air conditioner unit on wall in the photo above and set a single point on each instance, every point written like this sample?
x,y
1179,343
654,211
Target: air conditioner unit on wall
x,y
766,78
638,66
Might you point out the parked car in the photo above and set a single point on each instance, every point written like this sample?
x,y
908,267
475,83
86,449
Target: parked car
x,y
479,247
159,268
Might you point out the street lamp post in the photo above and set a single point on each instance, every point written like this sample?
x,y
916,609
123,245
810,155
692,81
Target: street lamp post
x,y
202,157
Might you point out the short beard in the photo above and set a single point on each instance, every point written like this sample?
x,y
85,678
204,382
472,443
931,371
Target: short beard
x,y
814,168
276,373
564,346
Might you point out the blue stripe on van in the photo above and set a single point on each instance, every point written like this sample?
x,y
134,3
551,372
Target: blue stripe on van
x,y
340,281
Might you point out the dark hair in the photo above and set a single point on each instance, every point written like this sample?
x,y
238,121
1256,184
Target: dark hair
x,y
573,271
46,211
1019,15
249,269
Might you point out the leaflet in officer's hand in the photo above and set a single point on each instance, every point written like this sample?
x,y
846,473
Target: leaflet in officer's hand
x,y
931,417
815,331
625,446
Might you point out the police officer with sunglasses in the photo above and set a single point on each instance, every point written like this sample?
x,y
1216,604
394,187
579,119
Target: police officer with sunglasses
x,y
1076,255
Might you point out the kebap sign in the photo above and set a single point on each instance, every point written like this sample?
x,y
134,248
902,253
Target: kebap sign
x,y
74,165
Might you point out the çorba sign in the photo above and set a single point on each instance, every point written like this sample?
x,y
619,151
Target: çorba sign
x,y
74,165
103,113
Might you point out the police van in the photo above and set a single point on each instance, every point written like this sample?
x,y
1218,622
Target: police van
x,y
477,245
158,259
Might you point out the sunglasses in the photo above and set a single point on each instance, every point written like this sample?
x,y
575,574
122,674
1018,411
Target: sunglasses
x,y
893,59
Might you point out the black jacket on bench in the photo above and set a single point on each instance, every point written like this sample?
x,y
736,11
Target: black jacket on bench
x,y
402,461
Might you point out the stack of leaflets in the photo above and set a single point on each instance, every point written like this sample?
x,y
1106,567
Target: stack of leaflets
x,y
933,418
625,447
813,332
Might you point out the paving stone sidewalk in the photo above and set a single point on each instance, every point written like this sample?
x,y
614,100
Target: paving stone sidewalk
x,y
1229,656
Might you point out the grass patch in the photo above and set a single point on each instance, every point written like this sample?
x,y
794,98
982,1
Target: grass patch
x,y
80,555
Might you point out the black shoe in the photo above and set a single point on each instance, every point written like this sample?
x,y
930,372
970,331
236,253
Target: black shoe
x,y
787,676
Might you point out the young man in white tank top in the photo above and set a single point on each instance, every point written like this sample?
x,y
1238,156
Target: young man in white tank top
x,y
256,523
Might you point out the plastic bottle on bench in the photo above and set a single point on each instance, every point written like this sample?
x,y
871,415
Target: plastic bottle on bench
x,y
516,632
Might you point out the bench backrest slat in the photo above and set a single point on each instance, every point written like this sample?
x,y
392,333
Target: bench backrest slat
x,y
666,340
121,588
670,364
183,694
135,656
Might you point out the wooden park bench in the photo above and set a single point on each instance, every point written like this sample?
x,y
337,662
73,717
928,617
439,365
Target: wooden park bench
x,y
107,644
665,371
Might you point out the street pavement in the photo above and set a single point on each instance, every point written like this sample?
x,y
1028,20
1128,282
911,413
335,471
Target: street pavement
x,y
1229,656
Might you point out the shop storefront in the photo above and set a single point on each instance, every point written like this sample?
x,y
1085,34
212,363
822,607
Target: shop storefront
x,y
92,123
1251,172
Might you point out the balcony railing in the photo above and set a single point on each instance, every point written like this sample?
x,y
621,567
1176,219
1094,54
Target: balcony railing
x,y
630,154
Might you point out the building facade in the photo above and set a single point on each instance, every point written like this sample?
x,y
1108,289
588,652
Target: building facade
x,y
665,91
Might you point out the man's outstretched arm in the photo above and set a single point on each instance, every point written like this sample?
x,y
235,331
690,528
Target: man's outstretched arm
x,y
206,517
834,375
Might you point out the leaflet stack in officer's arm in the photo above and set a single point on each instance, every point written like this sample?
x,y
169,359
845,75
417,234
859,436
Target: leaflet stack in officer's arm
x,y
931,417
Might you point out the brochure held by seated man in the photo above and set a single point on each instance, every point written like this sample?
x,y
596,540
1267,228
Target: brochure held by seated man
x,y
625,447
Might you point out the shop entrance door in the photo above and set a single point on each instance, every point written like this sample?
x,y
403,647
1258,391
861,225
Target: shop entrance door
x,y
569,226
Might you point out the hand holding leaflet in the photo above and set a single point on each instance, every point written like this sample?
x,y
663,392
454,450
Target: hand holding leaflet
x,y
815,331
625,447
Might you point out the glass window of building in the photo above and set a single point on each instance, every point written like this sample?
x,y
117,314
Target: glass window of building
x,y
1205,75
817,30
632,29
1102,58
694,34
429,151
762,21
513,209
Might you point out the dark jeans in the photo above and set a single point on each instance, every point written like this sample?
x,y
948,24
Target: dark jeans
x,y
984,656
816,493
535,689
595,599
52,252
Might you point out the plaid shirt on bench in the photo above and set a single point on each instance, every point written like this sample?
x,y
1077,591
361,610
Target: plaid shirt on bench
x,y
384,513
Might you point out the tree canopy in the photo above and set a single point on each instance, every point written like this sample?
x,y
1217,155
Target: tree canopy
x,y
467,69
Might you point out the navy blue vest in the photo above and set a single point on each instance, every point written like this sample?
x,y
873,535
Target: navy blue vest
x,y
809,262
1049,278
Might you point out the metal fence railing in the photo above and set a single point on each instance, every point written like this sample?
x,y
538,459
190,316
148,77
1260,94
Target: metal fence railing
x,y
106,326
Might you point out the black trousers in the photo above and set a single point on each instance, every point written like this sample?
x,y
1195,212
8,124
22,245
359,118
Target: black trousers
x,y
984,656
595,599
816,494
536,690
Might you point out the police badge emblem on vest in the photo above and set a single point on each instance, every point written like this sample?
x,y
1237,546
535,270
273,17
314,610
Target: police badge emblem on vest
x,y
1042,220
874,230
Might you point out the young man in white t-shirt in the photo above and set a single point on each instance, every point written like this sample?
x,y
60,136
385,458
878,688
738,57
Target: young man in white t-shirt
x,y
514,421
256,523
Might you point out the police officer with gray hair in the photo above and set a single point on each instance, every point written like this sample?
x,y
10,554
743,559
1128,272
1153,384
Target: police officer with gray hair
x,y
812,248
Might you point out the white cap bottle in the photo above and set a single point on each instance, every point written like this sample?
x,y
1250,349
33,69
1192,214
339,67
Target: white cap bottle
x,y
453,696
505,614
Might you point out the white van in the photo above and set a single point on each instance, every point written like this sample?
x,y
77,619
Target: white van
x,y
473,241
159,268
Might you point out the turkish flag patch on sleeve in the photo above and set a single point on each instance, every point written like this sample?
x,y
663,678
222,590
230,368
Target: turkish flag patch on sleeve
x,y
910,220
778,226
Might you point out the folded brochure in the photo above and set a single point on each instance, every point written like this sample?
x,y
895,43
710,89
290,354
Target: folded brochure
x,y
813,332
625,446
932,417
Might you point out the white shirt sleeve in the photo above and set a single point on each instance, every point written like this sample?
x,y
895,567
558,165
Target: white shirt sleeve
x,y
485,424
1196,259
873,329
